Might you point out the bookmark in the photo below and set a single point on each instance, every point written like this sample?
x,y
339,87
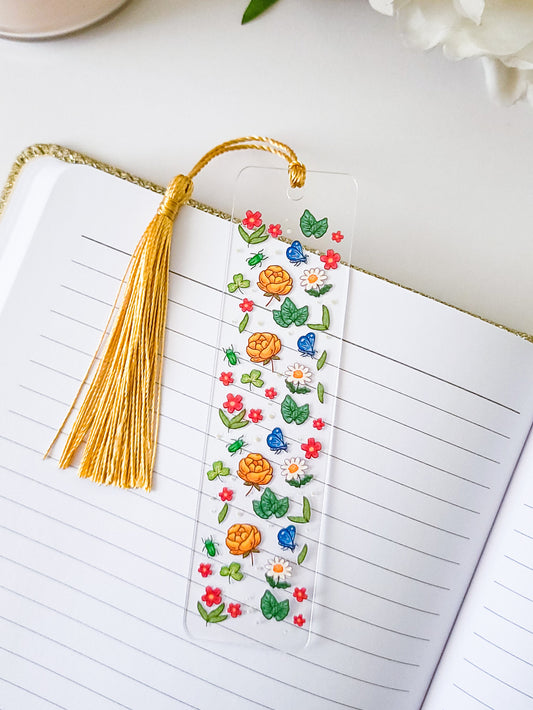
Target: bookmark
x,y
270,436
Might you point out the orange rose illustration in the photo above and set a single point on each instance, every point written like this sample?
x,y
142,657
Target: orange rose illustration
x,y
263,347
275,282
243,539
255,471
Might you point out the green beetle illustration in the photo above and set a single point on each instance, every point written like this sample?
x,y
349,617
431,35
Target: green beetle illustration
x,y
257,259
231,355
210,546
236,445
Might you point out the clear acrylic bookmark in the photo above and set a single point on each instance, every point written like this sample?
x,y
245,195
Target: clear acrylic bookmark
x,y
255,562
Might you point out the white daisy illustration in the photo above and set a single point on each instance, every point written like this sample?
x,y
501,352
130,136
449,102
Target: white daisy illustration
x,y
292,469
298,374
313,278
278,569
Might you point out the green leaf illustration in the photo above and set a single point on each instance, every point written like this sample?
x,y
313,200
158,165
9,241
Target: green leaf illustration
x,y
252,378
317,292
259,235
306,513
217,471
298,483
239,282
244,234
202,611
233,571
302,555
224,417
272,609
282,610
291,412
321,361
270,504
320,392
296,389
217,615
278,584
311,227
244,322
223,513
238,421
289,314
255,8
325,321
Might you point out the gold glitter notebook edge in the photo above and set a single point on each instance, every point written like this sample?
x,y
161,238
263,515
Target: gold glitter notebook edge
x,y
39,150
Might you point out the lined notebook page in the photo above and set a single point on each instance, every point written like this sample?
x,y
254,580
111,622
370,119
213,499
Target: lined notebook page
x,y
489,661
434,408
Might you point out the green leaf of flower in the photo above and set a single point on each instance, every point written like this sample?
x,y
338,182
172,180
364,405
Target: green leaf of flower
x,y
289,409
224,571
302,415
255,8
244,234
218,470
224,417
302,314
320,392
320,228
203,613
325,321
321,361
238,421
278,318
288,310
259,235
298,483
307,509
215,616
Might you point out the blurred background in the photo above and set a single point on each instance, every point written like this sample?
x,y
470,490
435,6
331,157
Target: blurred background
x,y
445,177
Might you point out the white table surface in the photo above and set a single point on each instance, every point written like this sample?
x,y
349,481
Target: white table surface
x,y
445,176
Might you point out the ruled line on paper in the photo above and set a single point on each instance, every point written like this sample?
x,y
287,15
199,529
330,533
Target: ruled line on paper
x,y
31,692
505,650
472,696
174,604
499,680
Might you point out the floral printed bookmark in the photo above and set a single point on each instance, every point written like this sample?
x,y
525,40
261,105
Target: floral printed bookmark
x,y
269,440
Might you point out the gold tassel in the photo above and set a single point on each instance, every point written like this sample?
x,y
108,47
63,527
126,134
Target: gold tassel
x,y
119,416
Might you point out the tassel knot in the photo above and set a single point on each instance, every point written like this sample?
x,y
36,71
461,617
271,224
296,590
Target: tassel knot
x,y
296,174
177,194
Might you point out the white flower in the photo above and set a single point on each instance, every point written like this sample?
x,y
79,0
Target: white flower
x,y
298,374
293,468
313,278
500,31
278,569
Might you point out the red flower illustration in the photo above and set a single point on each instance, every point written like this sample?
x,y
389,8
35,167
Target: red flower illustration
x,y
275,230
312,448
300,594
226,494
234,610
212,596
252,220
233,403
337,237
255,415
226,378
270,393
299,620
319,423
246,305
330,259
205,569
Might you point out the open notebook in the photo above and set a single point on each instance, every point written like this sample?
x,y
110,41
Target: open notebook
x,y
433,419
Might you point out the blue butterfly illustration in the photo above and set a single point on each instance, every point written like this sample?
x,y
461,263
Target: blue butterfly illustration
x,y
276,441
286,537
295,254
306,344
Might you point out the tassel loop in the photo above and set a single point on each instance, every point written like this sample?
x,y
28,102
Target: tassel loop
x,y
178,192
297,174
